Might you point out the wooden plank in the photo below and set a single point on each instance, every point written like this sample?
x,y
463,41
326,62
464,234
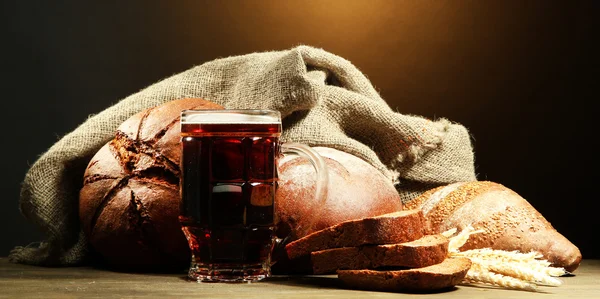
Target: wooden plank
x,y
23,281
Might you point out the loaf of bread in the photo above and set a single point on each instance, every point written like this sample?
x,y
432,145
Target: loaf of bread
x,y
508,220
397,227
356,190
426,251
129,203
446,274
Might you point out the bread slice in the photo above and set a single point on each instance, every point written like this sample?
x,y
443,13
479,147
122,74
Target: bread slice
x,y
446,274
397,227
426,251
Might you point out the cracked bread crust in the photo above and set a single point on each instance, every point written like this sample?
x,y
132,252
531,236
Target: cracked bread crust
x,y
128,205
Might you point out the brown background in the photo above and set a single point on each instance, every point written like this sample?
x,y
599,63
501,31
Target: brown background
x,y
520,75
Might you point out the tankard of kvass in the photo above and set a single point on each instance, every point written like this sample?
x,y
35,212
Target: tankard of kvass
x,y
228,185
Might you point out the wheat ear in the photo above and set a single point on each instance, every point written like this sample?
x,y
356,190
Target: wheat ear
x,y
461,238
509,269
478,274
524,273
529,260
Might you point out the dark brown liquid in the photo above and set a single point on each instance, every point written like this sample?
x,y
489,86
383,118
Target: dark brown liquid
x,y
229,178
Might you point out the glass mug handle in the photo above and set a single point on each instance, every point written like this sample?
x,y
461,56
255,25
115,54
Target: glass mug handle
x,y
322,176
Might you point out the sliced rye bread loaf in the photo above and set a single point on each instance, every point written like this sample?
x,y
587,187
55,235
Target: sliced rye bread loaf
x,y
392,228
426,251
446,274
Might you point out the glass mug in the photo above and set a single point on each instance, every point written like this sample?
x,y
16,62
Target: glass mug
x,y
228,184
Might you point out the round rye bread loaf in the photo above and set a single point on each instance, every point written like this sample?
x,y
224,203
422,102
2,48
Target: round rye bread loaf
x,y
129,203
356,190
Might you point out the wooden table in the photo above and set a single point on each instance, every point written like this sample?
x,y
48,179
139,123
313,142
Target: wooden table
x,y
22,281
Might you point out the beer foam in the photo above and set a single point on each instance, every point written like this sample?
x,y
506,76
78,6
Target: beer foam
x,y
230,118
227,188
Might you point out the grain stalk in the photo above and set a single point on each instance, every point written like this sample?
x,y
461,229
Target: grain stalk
x,y
507,269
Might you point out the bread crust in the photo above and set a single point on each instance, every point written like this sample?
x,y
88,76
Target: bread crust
x,y
398,227
129,203
426,251
446,274
508,220
356,190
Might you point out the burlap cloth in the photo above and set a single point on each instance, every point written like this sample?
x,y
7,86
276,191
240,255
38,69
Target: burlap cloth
x,y
324,100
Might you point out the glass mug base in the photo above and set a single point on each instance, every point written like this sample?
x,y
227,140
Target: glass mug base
x,y
228,272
